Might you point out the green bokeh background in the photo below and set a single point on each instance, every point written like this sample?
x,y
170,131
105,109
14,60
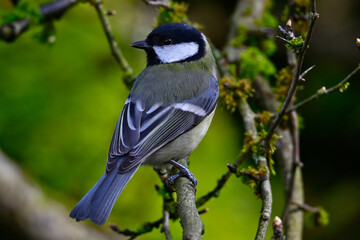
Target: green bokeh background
x,y
59,105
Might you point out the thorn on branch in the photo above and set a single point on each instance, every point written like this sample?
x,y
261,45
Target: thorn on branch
x,y
301,78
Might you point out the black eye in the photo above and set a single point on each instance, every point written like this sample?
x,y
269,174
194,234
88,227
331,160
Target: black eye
x,y
167,41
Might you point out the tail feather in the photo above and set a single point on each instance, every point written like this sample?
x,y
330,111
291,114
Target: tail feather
x,y
99,201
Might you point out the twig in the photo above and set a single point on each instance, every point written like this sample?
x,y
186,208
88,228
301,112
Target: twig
x,y
306,72
285,40
296,77
323,91
115,50
221,182
306,207
147,227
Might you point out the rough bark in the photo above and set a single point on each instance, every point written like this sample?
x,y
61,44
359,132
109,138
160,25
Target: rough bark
x,y
189,215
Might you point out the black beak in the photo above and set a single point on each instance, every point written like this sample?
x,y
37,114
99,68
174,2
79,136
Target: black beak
x,y
141,45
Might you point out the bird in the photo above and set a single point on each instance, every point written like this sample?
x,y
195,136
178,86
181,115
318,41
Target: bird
x,y
165,117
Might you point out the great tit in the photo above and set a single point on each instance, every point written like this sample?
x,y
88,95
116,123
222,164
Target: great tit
x,y
165,116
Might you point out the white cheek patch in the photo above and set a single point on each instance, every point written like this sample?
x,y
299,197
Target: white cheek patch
x,y
176,52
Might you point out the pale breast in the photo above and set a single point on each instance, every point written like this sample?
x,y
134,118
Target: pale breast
x,y
181,146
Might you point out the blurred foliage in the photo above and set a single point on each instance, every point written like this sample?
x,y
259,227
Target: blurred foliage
x,y
255,62
24,9
59,106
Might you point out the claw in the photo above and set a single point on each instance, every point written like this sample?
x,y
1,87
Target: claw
x,y
184,172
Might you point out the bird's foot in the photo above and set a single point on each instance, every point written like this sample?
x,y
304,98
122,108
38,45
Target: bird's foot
x,y
183,172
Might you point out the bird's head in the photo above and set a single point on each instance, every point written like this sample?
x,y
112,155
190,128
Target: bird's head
x,y
173,42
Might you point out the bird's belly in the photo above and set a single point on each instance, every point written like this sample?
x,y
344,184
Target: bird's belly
x,y
181,146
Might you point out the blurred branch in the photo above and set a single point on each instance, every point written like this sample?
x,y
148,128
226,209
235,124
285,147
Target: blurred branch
x,y
115,50
166,216
306,207
222,181
167,200
323,91
11,31
294,190
26,210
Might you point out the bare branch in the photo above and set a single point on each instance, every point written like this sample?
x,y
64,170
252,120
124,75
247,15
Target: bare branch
x,y
306,207
323,91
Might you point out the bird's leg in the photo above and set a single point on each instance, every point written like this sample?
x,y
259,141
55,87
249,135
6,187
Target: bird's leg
x,y
183,172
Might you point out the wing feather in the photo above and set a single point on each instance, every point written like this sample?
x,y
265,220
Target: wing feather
x,y
139,132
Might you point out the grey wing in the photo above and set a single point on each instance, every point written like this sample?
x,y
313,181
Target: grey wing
x,y
140,132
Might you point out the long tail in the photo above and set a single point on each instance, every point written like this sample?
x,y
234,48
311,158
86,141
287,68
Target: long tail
x,y
99,201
